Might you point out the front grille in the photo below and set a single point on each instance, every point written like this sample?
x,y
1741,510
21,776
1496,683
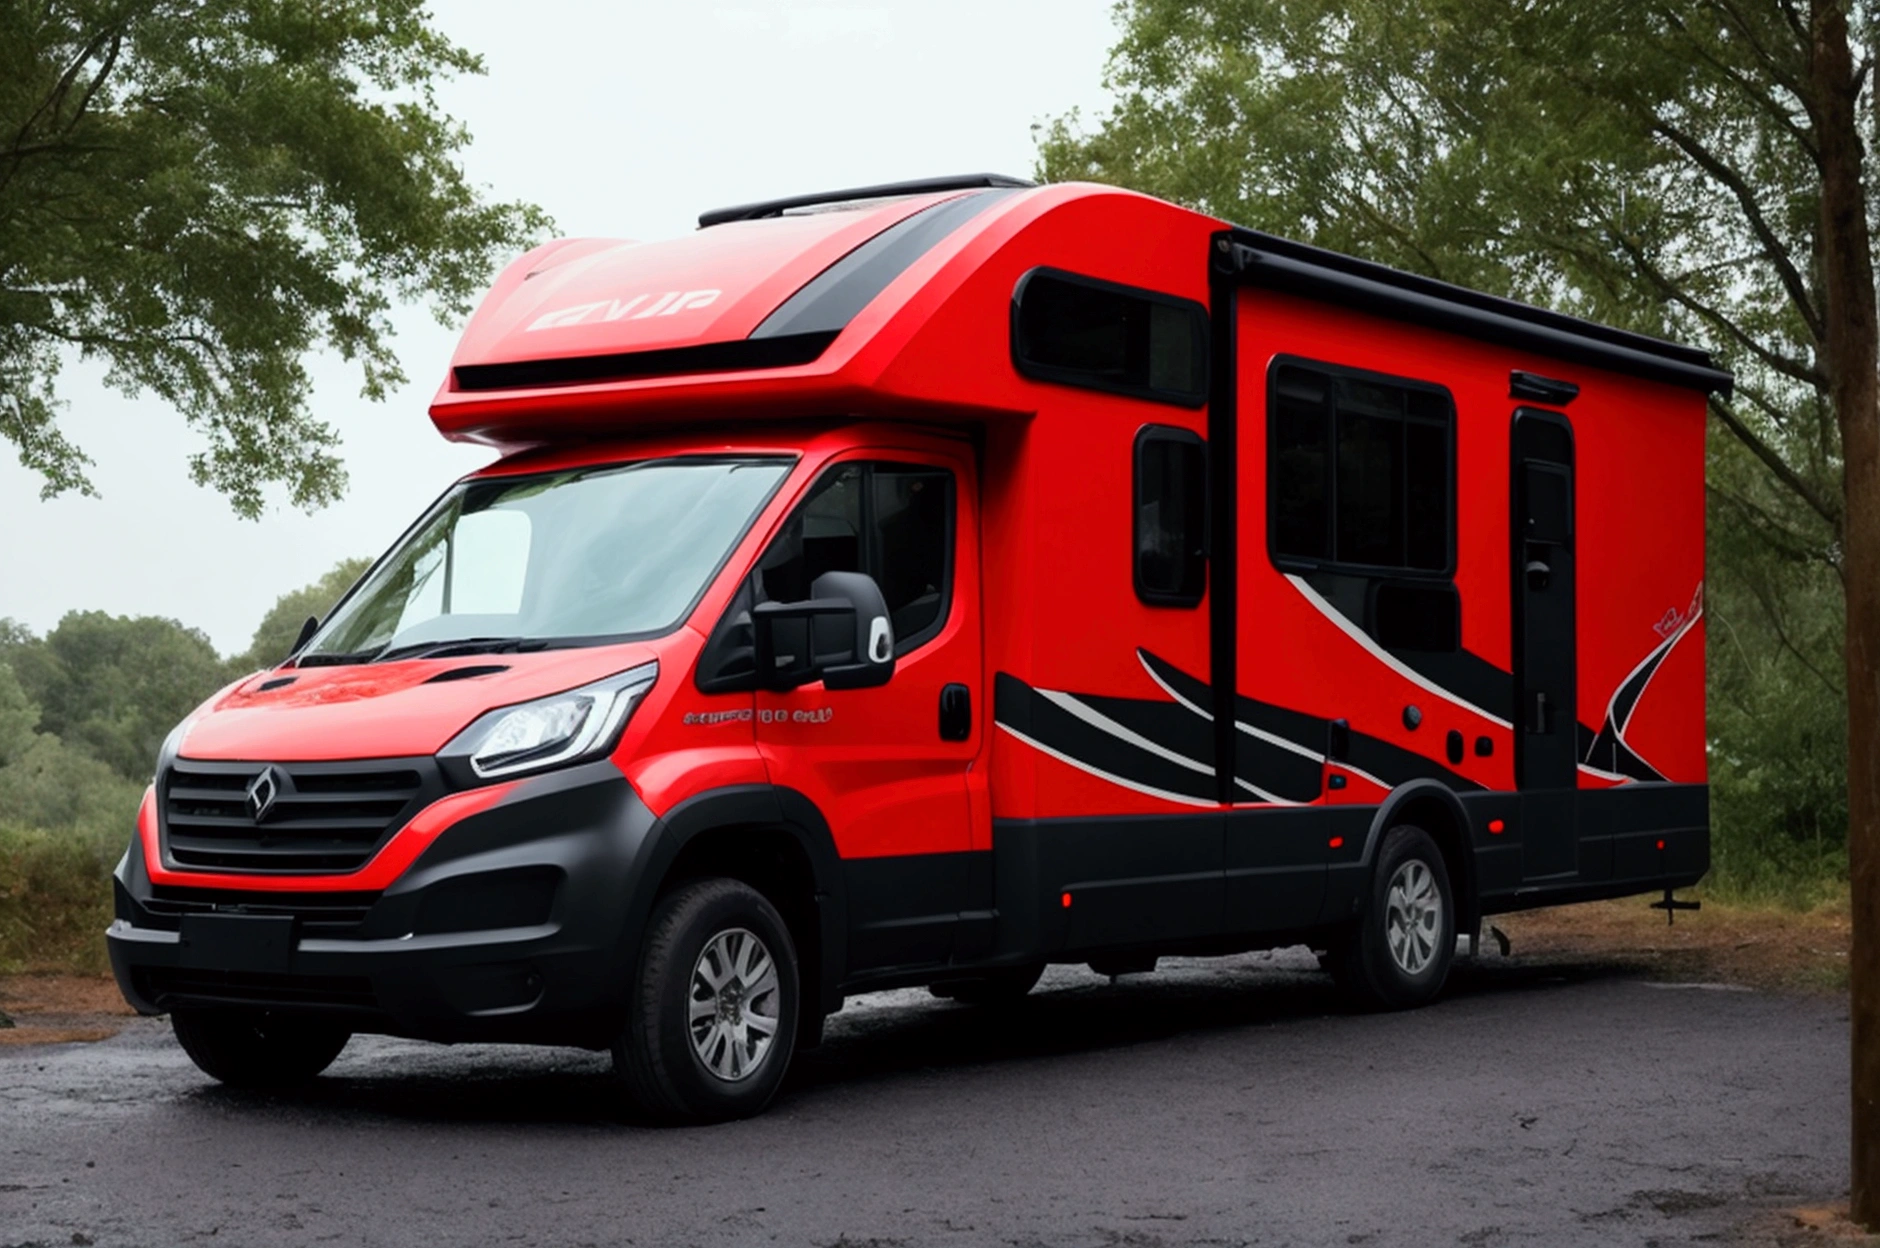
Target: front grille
x,y
168,987
324,817
320,914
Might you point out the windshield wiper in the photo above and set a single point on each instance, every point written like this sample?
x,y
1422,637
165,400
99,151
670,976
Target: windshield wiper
x,y
456,646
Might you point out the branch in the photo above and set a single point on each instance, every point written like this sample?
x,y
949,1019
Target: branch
x,y
1782,115
1777,254
1775,622
1770,61
1773,460
1774,531
1797,369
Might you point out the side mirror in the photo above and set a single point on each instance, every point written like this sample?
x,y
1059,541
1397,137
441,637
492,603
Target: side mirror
x,y
842,636
307,629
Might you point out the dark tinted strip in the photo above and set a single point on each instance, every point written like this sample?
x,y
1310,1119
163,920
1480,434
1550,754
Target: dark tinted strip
x,y
833,297
710,357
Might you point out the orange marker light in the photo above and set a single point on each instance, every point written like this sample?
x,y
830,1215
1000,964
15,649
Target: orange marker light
x,y
1338,842
1067,901
1495,827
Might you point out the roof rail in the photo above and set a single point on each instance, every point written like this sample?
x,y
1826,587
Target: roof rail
x,y
921,186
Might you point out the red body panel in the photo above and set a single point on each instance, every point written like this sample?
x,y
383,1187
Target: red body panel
x,y
1043,590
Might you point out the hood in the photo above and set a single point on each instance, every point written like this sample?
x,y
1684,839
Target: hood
x,y
384,710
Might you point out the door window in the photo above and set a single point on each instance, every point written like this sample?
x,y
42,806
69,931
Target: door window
x,y
892,521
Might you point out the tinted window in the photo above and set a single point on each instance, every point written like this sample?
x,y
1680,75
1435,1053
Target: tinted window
x,y
892,521
1082,332
1171,516
1360,470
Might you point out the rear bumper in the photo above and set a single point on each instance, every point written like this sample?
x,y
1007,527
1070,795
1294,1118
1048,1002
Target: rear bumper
x,y
511,926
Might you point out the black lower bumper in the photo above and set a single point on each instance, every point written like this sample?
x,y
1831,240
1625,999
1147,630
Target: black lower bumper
x,y
512,926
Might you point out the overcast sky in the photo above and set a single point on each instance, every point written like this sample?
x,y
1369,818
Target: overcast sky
x,y
623,120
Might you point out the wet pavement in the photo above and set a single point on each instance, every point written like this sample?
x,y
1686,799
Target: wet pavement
x,y
1215,1102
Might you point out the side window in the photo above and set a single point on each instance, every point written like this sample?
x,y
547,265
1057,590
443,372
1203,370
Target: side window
x,y
1078,331
1360,472
1170,531
892,521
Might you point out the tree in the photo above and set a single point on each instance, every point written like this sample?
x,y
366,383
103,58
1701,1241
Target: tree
x,y
202,192
282,624
114,686
1697,168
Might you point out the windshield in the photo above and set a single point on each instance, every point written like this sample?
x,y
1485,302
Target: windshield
x,y
557,558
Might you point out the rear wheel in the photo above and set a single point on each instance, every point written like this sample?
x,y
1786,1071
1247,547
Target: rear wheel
x,y
256,1049
714,1006
999,987
1398,955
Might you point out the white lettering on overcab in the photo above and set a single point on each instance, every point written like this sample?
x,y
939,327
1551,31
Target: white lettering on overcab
x,y
668,303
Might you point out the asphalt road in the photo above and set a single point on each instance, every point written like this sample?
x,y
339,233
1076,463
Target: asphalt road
x,y
1211,1103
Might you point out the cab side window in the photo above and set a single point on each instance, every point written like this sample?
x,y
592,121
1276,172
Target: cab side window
x,y
892,521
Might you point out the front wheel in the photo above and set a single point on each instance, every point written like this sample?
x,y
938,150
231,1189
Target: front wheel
x,y
257,1049
1398,956
714,1006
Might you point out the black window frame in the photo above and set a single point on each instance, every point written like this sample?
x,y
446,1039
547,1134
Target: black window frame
x,y
1147,436
1301,563
869,539
1059,375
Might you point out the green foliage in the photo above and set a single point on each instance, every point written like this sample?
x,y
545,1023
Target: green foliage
x,y
202,192
55,897
65,818
1647,163
114,686
281,626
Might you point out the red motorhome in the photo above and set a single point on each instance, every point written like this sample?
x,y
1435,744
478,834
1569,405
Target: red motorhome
x,y
920,584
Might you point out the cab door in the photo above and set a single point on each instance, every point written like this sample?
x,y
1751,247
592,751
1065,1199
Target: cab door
x,y
889,767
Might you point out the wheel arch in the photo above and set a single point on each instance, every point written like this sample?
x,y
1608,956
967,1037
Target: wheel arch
x,y
1435,808
775,840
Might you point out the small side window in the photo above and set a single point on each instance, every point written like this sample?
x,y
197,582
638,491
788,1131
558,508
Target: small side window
x,y
1078,331
1171,528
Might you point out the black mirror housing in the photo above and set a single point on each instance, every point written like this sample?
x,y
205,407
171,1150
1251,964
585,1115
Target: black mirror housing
x,y
841,635
871,652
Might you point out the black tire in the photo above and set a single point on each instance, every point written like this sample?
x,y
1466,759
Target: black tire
x,y
655,1056
1001,987
257,1049
1363,962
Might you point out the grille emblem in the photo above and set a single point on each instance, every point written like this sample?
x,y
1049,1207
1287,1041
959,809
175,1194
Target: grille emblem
x,y
263,791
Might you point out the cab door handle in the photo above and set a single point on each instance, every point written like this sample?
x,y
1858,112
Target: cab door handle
x,y
956,713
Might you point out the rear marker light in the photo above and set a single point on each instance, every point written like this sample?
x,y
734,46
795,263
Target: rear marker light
x,y
1661,845
1495,827
1337,842
1066,901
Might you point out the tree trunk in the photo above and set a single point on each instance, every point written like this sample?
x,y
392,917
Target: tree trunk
x,y
1851,354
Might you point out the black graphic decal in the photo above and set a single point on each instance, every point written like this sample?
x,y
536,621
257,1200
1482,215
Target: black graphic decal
x,y
1608,751
1166,749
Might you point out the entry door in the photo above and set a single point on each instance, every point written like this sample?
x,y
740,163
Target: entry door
x,y
1547,723
890,767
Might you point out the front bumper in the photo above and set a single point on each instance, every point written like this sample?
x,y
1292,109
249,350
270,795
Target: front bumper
x,y
512,925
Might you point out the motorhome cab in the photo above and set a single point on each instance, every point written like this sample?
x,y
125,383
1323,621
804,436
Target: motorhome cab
x,y
922,584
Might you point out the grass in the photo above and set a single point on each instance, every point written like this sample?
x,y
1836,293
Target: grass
x,y
55,899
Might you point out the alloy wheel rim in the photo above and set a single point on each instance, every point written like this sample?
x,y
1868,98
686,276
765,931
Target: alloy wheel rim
x,y
1413,917
734,1003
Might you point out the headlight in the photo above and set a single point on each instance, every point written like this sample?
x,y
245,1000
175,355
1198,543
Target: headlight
x,y
548,732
